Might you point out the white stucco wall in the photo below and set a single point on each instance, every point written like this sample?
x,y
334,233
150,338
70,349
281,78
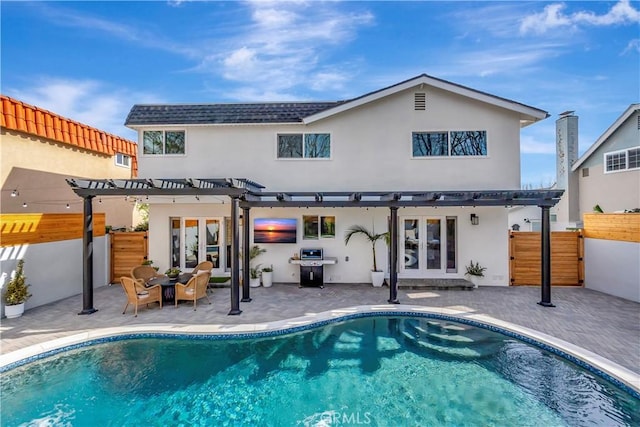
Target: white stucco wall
x,y
371,149
613,267
613,192
54,270
486,243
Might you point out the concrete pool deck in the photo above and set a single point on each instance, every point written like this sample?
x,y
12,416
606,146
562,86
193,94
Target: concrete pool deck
x,y
604,325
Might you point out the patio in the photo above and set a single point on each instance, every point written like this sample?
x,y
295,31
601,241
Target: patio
x,y
603,324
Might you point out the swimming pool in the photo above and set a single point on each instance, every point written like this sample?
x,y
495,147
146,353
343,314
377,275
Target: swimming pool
x,y
366,370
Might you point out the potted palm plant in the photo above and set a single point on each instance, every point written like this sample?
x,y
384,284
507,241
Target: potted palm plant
x,y
377,276
17,293
254,271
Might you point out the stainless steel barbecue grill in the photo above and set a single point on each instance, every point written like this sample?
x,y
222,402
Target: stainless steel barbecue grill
x,y
312,262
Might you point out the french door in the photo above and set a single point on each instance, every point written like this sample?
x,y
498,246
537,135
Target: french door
x,y
195,240
429,246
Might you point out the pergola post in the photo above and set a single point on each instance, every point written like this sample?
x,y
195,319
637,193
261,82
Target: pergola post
x,y
245,254
393,248
235,263
87,257
545,259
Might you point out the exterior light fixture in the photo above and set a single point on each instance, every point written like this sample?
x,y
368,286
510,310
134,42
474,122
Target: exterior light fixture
x,y
475,219
24,205
14,193
68,206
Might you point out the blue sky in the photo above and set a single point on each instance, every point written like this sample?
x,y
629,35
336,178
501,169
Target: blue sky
x,y
91,61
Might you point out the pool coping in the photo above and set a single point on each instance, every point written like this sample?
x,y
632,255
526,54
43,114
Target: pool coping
x,y
593,362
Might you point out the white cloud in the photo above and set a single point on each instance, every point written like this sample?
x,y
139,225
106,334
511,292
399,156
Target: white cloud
x,y
285,45
133,33
632,46
553,17
86,101
621,13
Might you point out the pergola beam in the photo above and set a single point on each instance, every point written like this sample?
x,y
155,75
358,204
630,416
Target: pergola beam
x,y
246,194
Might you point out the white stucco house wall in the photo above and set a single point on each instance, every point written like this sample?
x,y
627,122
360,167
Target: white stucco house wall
x,y
423,134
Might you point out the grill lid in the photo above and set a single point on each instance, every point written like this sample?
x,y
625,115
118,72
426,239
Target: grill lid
x,y
311,254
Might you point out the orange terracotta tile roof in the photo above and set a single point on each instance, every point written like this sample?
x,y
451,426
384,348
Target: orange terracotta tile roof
x,y
19,116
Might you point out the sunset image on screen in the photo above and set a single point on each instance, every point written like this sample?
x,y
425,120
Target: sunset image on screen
x,y
275,230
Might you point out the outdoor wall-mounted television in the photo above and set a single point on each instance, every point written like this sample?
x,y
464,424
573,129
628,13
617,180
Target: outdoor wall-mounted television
x,y
275,230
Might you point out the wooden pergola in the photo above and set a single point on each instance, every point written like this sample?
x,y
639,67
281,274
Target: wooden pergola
x,y
246,194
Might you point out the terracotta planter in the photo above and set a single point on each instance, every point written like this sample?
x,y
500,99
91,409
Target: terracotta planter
x,y
13,311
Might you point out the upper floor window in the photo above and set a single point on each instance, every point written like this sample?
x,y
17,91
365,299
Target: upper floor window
x,y
163,142
622,160
454,143
123,160
304,146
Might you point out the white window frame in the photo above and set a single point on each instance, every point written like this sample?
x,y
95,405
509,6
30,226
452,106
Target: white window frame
x,y
626,167
121,163
303,134
164,133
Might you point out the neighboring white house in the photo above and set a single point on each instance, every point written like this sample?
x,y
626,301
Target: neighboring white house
x,y
608,173
423,134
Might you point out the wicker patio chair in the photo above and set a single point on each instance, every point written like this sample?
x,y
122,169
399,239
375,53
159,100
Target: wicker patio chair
x,y
203,267
137,294
194,289
143,273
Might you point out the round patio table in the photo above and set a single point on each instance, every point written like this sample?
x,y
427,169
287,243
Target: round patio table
x,y
168,287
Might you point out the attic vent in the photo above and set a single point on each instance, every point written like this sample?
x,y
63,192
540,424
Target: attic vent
x,y
420,101
638,121
585,172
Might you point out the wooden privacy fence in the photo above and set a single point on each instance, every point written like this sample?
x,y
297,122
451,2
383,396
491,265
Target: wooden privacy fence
x,y
128,249
623,227
32,228
567,258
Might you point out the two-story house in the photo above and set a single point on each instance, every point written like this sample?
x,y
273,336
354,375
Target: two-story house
x,y
421,135
607,174
40,149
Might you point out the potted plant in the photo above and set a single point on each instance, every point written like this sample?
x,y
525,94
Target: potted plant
x,y
254,271
149,262
474,272
267,276
254,276
377,276
17,293
173,272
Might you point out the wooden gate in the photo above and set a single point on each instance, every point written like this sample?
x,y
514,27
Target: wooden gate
x,y
567,254
128,249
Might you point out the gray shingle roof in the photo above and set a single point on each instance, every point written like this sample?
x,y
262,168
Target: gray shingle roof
x,y
186,114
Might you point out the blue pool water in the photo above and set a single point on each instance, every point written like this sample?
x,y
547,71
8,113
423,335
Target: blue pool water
x,y
375,371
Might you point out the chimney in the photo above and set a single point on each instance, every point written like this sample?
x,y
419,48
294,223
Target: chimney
x,y
566,156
